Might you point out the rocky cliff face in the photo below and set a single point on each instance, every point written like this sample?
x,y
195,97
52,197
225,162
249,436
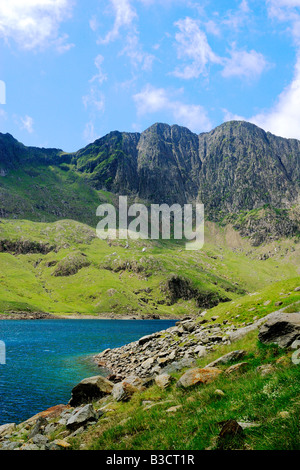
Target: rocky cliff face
x,y
235,168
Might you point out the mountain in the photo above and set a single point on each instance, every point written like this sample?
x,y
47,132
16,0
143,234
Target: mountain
x,y
242,174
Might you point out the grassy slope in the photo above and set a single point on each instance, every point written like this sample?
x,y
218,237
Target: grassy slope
x,y
226,264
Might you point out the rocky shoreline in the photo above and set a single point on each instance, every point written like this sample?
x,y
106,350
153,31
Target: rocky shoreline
x,y
167,350
27,316
78,316
136,366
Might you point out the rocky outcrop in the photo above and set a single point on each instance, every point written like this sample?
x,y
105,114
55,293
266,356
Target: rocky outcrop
x,y
194,377
24,247
282,329
92,388
82,416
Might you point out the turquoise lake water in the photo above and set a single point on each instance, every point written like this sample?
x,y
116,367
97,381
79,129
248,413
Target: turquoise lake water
x,y
46,359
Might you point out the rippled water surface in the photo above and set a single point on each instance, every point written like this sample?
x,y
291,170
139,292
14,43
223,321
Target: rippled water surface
x,y
45,359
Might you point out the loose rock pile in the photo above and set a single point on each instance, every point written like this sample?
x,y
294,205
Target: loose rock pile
x,y
160,352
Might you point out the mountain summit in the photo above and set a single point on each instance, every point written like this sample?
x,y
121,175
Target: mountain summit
x,y
234,169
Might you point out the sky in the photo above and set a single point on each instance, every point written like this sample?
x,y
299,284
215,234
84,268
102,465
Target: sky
x,y
71,71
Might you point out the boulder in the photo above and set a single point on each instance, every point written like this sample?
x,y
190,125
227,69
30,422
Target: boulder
x,y
265,369
124,390
240,367
6,429
90,389
38,428
230,357
230,428
178,365
282,329
200,351
164,380
198,376
189,326
82,416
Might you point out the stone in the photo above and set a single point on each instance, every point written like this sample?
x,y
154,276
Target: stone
x,y
230,357
295,344
297,289
164,380
200,351
51,413
282,329
50,428
82,416
7,429
230,428
90,389
178,365
124,390
104,353
40,424
8,445
194,377
277,304
219,393
145,339
265,369
189,326
29,447
148,363
174,409
62,444
240,367
40,440
284,414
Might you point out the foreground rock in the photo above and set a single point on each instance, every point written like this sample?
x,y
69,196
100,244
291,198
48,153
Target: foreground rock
x,y
232,356
194,377
124,390
282,329
82,416
90,389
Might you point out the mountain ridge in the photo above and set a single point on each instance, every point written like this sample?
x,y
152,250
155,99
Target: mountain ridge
x,y
235,168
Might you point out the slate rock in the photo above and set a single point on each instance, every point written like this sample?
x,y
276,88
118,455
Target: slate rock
x,y
90,389
282,329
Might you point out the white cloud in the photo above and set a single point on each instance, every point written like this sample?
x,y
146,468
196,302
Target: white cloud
x,y
237,18
137,56
284,118
152,100
95,99
286,11
89,133
244,64
192,44
100,77
27,124
35,24
125,14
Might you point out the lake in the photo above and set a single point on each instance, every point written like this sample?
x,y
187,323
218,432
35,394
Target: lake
x,y
45,359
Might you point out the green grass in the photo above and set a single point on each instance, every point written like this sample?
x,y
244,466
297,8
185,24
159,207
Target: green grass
x,y
107,278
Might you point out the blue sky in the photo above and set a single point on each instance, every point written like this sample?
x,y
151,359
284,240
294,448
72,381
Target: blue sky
x,y
75,70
